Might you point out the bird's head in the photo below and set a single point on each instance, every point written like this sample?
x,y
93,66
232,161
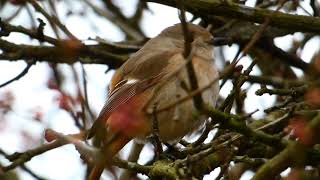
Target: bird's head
x,y
199,35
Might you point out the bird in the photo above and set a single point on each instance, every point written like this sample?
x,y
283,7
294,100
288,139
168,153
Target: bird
x,y
155,76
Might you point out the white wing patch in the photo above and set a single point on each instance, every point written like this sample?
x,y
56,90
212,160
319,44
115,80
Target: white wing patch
x,y
132,81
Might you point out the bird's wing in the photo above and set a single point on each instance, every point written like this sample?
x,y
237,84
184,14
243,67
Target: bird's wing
x,y
145,65
137,74
121,95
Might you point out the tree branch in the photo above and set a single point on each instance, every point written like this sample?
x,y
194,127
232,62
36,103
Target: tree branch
x,y
238,11
88,54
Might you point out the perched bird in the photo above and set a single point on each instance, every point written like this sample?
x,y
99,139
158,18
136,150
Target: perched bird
x,y
147,78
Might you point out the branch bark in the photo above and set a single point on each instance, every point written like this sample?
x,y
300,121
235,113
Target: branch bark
x,y
229,9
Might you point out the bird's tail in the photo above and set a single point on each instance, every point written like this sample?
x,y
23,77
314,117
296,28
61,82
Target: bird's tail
x,y
109,150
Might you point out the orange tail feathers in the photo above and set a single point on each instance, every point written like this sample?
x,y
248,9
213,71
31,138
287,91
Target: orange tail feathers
x,y
114,146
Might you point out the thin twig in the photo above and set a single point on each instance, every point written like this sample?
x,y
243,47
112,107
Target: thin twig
x,y
226,71
133,157
53,19
19,159
262,28
155,133
20,75
204,135
85,89
125,27
14,15
25,168
187,54
8,28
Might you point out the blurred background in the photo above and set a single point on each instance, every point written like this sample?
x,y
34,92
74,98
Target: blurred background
x,y
49,94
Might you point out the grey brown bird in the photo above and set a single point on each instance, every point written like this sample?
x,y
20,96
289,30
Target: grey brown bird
x,y
147,78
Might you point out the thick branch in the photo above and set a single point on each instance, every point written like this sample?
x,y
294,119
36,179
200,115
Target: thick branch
x,y
238,11
89,54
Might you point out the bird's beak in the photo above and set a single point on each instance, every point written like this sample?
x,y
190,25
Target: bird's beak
x,y
220,41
